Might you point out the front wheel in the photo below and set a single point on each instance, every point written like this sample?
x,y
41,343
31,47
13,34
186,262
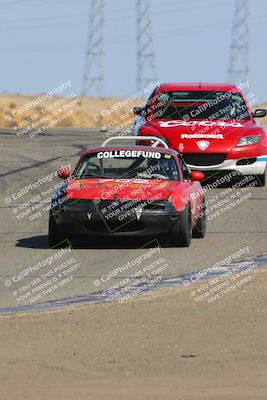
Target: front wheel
x,y
181,234
261,179
199,230
55,236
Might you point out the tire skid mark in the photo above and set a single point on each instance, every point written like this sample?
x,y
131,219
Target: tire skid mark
x,y
102,296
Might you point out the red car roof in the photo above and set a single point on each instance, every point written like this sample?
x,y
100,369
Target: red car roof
x,y
198,86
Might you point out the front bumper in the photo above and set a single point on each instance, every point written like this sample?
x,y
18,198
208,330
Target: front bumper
x,y
258,167
85,218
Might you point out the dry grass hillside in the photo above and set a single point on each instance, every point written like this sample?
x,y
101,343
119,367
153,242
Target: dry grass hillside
x,y
31,112
22,111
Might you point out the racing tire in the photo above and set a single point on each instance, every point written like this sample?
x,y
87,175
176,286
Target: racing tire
x,y
55,236
181,234
199,230
261,180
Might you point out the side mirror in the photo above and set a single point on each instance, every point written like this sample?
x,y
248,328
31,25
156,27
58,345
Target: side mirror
x,y
259,113
197,176
63,172
139,111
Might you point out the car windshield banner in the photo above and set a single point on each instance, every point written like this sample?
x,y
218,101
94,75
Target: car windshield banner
x,y
128,154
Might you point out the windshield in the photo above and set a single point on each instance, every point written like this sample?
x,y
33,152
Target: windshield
x,y
200,105
126,164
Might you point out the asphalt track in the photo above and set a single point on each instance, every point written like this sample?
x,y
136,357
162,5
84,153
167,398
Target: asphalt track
x,y
24,241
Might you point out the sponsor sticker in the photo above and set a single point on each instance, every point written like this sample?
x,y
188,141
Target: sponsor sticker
x,y
128,154
202,136
174,123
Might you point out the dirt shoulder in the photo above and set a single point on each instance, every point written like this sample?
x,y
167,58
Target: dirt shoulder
x,y
159,346
23,112
20,113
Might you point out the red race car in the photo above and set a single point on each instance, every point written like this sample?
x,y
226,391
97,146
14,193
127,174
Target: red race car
x,y
133,190
210,124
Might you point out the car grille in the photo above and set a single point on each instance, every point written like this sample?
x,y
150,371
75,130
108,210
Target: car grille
x,y
114,210
204,159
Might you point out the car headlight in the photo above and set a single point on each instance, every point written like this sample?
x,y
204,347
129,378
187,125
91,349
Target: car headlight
x,y
248,140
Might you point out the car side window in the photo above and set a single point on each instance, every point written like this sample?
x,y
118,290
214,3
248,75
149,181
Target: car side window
x,y
151,98
149,102
185,169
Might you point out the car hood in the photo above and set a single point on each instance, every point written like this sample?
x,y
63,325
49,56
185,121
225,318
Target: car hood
x,y
124,189
185,135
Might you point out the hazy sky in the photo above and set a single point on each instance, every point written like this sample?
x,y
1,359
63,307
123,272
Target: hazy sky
x,y
43,42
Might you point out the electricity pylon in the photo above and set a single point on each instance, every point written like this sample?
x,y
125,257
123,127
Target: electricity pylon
x,y
239,57
146,69
93,78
